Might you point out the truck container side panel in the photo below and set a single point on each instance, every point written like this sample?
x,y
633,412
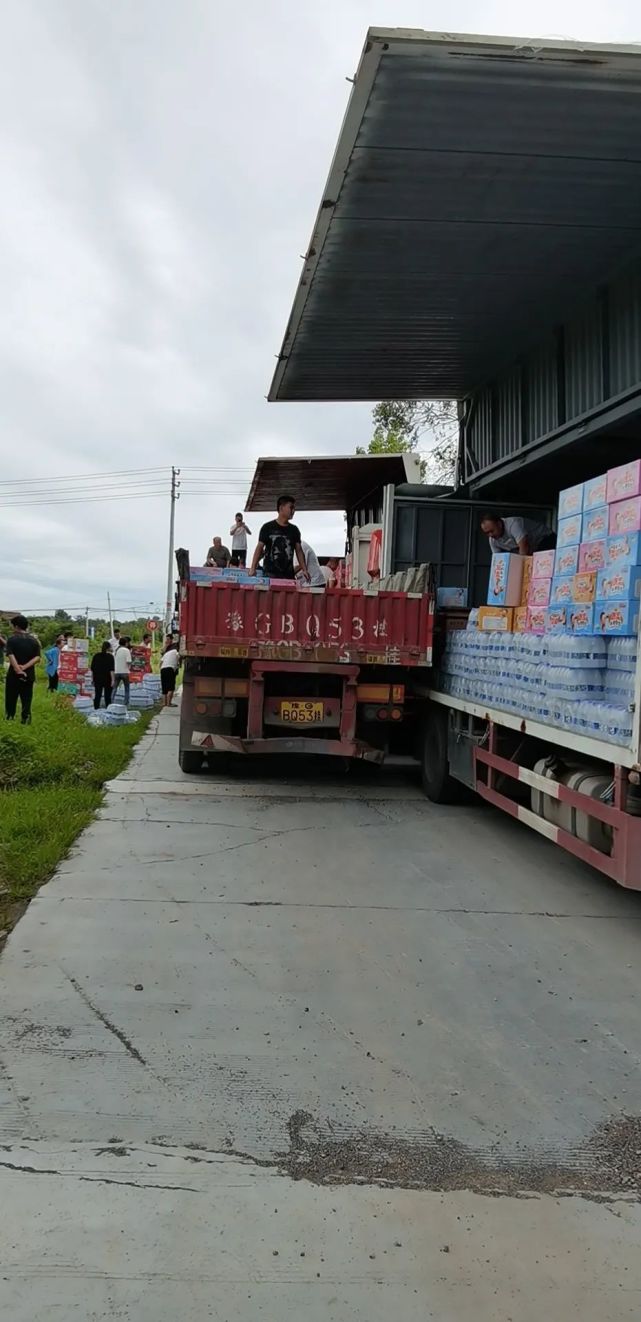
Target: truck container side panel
x,y
368,622
480,450
508,429
542,392
609,327
583,362
625,333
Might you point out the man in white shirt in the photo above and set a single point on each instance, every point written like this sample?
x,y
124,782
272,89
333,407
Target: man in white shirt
x,y
239,533
523,536
168,670
315,576
329,571
122,669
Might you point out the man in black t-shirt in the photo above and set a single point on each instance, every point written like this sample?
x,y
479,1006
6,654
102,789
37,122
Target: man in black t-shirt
x,y
23,654
279,542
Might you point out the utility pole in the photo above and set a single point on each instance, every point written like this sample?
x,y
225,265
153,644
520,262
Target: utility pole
x,y
174,496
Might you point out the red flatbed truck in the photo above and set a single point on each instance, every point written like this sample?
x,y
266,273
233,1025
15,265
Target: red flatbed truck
x,y
271,670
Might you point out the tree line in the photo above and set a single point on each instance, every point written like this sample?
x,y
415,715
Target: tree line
x,y
427,428
48,627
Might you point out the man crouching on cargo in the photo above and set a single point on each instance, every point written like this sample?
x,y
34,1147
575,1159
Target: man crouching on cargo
x,y
278,542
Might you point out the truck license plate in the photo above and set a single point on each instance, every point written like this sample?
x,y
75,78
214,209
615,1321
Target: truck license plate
x,y
301,712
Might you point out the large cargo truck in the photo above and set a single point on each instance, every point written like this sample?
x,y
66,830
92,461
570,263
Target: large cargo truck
x,y
477,240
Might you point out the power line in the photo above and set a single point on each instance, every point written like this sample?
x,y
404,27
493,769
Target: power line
x,y
91,478
73,477
87,499
81,500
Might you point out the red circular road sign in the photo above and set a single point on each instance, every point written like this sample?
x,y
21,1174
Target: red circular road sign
x,y
152,625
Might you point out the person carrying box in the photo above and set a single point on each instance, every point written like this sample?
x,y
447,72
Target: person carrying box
x,y
512,533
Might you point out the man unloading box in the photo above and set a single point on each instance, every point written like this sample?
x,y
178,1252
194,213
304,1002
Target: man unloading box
x,y
512,533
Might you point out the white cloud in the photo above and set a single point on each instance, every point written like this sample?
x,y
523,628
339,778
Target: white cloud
x,y
160,167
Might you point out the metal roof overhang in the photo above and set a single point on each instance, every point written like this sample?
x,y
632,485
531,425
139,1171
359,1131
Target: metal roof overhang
x,y
481,187
328,482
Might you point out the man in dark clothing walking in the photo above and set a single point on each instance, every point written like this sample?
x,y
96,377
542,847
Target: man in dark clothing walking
x,y
102,670
23,654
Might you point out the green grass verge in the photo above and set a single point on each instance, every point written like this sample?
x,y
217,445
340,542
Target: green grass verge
x,y
51,778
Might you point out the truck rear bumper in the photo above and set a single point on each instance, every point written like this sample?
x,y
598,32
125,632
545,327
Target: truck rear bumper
x,y
223,743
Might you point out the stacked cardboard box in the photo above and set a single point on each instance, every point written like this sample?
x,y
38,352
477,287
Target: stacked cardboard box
x,y
616,607
609,543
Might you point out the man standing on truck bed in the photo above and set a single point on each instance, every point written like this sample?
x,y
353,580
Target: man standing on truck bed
x,y
515,534
278,542
239,533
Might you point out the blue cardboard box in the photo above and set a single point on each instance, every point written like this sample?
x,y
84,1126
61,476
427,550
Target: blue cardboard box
x,y
595,524
617,617
623,548
619,582
571,500
581,619
595,492
556,619
566,561
506,579
569,531
561,594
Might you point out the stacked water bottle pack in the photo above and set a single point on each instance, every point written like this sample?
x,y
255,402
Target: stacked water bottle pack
x,y
145,694
115,714
580,682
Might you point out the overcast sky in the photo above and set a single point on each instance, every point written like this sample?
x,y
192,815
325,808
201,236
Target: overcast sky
x,y
161,165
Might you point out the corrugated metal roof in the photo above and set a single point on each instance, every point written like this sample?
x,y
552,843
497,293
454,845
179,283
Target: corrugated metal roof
x,y
328,482
481,187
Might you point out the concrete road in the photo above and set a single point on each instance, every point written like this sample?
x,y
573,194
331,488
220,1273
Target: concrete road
x,y
316,1049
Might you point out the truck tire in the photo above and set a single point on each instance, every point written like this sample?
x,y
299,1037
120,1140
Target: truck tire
x,y
189,762
438,785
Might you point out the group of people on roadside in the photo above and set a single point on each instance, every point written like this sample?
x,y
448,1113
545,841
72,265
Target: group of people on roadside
x,y
280,548
110,667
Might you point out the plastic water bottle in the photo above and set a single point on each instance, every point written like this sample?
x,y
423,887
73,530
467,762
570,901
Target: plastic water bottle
x,y
618,725
586,652
622,653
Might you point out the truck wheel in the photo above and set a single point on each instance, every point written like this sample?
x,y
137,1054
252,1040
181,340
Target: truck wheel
x,y
438,785
189,762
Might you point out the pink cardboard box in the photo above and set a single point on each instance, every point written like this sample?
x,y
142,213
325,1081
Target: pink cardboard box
x,y
592,556
625,516
543,562
536,619
624,481
538,593
595,492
